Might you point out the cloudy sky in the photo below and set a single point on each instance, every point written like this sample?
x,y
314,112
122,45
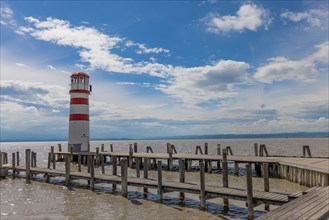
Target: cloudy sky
x,y
165,68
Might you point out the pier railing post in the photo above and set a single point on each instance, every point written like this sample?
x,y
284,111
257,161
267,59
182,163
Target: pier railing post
x,y
14,165
124,177
79,162
256,149
103,163
249,192
111,147
131,156
53,157
135,148
181,176
92,172
170,160
225,173
114,170
138,164
28,165
102,148
145,174
17,158
67,170
218,153
202,187
160,188
266,183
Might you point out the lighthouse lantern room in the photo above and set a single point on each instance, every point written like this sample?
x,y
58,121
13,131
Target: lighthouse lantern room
x,y
80,90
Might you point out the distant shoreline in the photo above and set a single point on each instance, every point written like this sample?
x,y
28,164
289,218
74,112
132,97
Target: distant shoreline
x,y
215,136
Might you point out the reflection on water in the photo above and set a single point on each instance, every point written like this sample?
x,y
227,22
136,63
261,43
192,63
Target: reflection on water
x,y
55,201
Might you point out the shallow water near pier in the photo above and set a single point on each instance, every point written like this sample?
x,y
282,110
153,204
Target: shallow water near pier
x,y
53,200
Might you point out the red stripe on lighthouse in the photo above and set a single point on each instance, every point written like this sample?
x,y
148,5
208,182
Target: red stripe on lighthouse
x,y
79,91
79,117
79,101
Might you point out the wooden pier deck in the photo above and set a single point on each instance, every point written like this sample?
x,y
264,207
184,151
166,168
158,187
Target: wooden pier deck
x,y
313,205
315,171
167,186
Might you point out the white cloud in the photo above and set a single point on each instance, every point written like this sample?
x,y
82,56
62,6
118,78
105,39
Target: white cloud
x,y
248,17
281,68
20,64
201,84
94,46
142,49
313,18
51,67
7,16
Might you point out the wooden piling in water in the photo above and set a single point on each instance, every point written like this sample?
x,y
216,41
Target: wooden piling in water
x,y
114,170
160,188
266,183
145,174
249,192
131,152
79,162
67,170
202,187
17,158
170,160
218,153
102,148
138,164
28,165
181,176
92,172
225,173
102,157
124,177
13,161
236,168
135,148
53,157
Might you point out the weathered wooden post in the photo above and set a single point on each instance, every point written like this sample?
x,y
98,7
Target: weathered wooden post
x,y
97,159
79,162
53,157
181,176
124,177
103,163
6,158
256,149
306,149
236,168
114,170
13,161
145,174
170,160
59,150
28,165
67,170
131,152
17,158
135,147
225,173
266,183
49,160
249,192
138,164
160,188
102,148
111,147
229,150
202,187
92,172
218,153
206,153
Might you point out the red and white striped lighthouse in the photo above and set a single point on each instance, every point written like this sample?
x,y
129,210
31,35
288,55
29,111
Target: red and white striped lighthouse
x,y
80,90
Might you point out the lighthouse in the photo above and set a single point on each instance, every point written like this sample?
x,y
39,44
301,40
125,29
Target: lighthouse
x,y
79,138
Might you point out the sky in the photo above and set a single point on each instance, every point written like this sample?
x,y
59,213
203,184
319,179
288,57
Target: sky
x,y
165,68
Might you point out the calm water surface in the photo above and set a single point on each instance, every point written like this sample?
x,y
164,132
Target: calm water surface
x,y
39,200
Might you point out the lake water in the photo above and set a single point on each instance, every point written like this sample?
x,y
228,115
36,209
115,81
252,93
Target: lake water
x,y
40,200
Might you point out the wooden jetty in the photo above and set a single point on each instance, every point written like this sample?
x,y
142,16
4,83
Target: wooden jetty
x,y
313,171
313,205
